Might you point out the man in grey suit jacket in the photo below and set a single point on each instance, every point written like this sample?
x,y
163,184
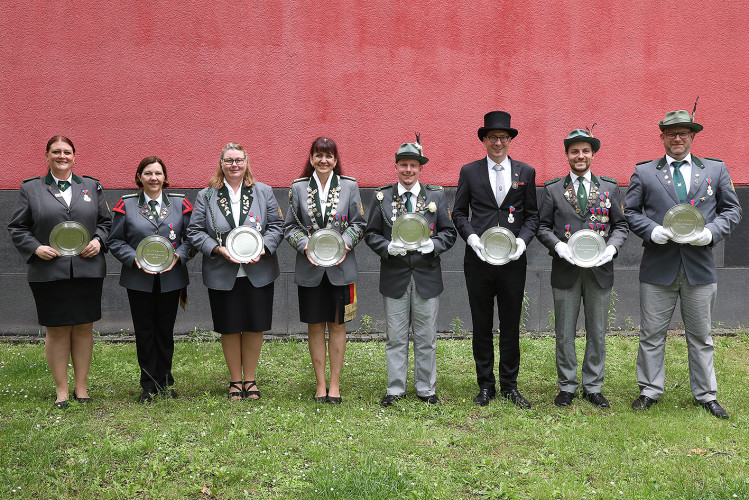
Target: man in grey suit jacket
x,y
580,200
685,270
410,280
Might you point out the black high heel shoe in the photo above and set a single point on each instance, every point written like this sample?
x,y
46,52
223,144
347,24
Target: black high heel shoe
x,y
81,400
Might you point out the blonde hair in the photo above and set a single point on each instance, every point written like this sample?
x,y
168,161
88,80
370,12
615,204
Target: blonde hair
x,y
217,181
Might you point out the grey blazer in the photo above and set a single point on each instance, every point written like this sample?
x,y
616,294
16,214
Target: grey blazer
x,y
396,270
560,217
132,222
349,216
212,221
40,208
651,193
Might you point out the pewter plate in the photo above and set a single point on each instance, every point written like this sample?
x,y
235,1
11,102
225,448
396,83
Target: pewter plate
x,y
685,221
587,246
326,247
244,243
499,244
411,230
69,238
154,253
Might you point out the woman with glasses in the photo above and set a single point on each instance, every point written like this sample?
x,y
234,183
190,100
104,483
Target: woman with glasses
x,y
66,281
323,198
240,294
153,295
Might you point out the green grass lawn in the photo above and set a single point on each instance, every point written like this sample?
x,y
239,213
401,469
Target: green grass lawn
x,y
286,446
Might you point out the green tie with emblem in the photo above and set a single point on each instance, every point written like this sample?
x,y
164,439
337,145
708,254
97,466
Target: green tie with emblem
x,y
63,185
681,186
582,196
409,207
154,213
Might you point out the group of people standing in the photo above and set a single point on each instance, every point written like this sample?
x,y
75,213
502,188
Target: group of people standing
x,y
495,191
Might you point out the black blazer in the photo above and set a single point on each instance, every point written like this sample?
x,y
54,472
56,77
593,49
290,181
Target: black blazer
x,y
474,196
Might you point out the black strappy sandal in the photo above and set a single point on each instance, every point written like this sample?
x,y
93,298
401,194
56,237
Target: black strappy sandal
x,y
247,393
236,394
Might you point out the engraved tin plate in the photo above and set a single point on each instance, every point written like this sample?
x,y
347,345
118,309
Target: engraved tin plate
x,y
326,247
411,230
685,221
587,246
154,253
244,243
69,238
499,244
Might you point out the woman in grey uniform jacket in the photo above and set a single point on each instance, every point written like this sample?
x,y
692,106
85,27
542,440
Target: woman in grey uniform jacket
x,y
153,297
323,198
241,295
66,289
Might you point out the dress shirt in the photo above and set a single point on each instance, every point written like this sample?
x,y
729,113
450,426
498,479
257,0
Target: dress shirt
x,y
685,169
157,207
585,179
415,190
506,174
67,195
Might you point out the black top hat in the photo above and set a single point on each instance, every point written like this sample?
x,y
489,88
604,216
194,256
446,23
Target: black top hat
x,y
497,120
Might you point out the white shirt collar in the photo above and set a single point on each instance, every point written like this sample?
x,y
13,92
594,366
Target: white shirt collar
x,y
234,196
505,163
585,176
69,179
415,190
687,158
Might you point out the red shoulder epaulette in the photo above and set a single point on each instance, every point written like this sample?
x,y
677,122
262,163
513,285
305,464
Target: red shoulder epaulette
x,y
120,207
186,206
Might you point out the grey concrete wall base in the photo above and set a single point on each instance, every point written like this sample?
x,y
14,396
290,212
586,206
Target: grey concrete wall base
x,y
19,312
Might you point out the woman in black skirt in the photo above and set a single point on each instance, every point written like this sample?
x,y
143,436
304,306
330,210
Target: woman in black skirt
x,y
240,294
153,296
323,198
66,280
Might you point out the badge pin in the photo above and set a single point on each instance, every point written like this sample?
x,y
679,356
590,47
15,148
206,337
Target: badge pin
x,y
709,190
510,218
567,235
86,198
172,236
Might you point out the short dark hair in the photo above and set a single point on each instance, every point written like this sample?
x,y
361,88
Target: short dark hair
x,y
62,138
323,145
146,162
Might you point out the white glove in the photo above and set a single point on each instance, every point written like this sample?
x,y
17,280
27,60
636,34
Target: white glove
x,y
704,238
521,248
660,235
427,247
475,242
396,249
563,250
607,256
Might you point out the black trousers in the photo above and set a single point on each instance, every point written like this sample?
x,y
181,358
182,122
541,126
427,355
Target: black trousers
x,y
505,284
153,315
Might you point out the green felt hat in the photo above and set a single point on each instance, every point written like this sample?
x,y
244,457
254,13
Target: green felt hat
x,y
680,118
411,150
580,135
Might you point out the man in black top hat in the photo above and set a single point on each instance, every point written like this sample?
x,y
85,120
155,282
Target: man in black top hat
x,y
496,191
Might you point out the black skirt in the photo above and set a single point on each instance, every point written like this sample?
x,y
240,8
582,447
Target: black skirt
x,y
244,308
73,301
326,302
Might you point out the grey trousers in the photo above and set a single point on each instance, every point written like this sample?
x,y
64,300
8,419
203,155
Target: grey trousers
x,y
657,305
421,314
566,310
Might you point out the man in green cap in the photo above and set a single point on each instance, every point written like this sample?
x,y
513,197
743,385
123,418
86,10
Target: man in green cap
x,y
410,275
679,266
581,201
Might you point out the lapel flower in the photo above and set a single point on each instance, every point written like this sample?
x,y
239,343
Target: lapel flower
x,y
432,207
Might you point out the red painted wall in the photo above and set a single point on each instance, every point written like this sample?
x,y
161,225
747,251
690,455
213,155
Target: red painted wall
x,y
180,79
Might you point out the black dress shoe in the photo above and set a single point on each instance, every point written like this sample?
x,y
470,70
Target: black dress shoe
x,y
390,399
714,408
516,398
484,396
146,397
81,400
643,403
597,399
432,400
169,393
564,398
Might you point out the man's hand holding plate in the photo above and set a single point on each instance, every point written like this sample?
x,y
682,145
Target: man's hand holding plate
x,y
475,242
660,235
704,237
563,250
607,256
519,251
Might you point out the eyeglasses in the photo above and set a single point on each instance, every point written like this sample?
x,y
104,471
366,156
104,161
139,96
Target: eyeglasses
x,y
233,161
682,135
504,139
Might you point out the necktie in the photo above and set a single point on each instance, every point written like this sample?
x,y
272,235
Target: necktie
x,y
409,207
681,186
63,185
582,196
499,191
153,204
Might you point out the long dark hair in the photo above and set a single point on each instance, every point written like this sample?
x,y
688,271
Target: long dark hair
x,y
323,145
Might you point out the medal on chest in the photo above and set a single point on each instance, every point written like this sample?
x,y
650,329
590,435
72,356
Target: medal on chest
x,y
511,217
